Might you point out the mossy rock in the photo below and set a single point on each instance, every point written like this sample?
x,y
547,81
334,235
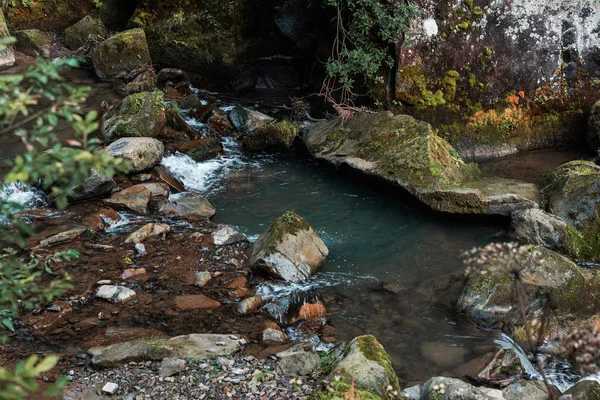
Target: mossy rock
x,y
202,149
341,388
366,362
289,249
442,388
7,56
488,297
408,153
48,16
573,192
278,136
137,115
77,35
34,42
121,53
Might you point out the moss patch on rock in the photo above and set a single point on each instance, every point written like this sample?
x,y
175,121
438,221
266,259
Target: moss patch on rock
x,y
341,388
121,54
287,224
278,136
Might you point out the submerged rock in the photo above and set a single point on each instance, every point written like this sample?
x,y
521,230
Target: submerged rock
x,y
278,136
121,54
247,120
77,34
366,362
440,388
140,114
488,297
289,249
34,42
7,56
407,152
141,153
188,205
193,346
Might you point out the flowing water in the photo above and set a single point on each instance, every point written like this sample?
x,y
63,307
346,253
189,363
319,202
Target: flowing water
x,y
373,237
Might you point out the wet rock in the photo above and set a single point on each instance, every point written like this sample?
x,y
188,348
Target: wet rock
x,y
195,302
137,115
177,123
411,393
171,366
63,237
143,82
585,390
136,198
100,219
300,360
311,312
247,120
237,283
121,54
34,42
148,231
201,278
526,390
278,136
272,336
193,346
190,102
172,75
487,299
440,388
505,365
169,179
116,294
94,186
110,388
538,227
572,191
7,56
188,205
367,363
202,149
134,274
408,153
249,305
141,153
225,234
220,122
593,135
289,249
76,35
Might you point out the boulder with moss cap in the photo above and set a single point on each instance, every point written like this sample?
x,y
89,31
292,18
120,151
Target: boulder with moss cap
x,y
408,153
121,54
366,362
140,114
289,249
278,136
488,297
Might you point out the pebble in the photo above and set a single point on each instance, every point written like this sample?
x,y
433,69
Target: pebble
x,y
110,388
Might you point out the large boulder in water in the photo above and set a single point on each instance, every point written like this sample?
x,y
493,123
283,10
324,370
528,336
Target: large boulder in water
x,y
141,152
488,297
289,249
121,54
366,363
278,136
248,120
7,56
140,114
77,35
408,153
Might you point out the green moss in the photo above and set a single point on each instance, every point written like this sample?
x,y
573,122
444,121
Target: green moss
x,y
287,224
278,136
333,136
126,130
469,4
472,80
449,83
478,12
585,244
464,25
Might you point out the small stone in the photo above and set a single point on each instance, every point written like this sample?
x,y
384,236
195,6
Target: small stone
x,y
110,388
171,366
53,308
116,294
140,248
103,282
249,305
134,273
201,278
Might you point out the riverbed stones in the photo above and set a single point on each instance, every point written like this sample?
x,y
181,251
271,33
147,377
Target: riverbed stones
x,y
140,152
63,237
274,137
408,153
299,360
114,293
7,56
289,249
248,120
121,54
186,347
487,299
148,231
137,115
366,362
135,198
76,35
226,234
440,388
539,227
34,42
188,205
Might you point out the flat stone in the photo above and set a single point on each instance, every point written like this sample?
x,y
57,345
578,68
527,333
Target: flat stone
x,y
63,237
195,302
136,198
225,235
189,206
301,359
171,366
148,231
116,294
110,388
201,278
134,274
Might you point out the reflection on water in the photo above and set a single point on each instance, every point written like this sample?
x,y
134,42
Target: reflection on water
x,y
372,237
